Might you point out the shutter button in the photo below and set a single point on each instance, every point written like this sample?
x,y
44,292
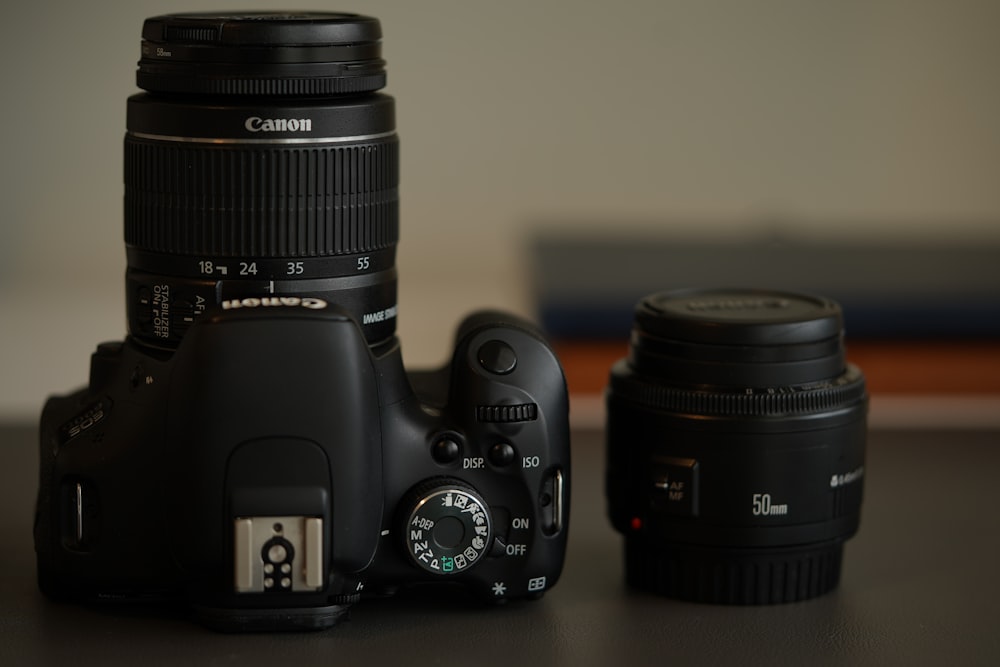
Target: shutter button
x,y
497,357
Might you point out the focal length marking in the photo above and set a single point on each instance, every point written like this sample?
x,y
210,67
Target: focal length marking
x,y
763,506
263,268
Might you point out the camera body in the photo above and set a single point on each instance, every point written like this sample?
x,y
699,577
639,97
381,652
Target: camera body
x,y
254,447
275,465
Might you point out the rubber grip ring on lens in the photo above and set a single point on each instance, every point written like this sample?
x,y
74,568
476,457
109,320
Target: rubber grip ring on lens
x,y
734,576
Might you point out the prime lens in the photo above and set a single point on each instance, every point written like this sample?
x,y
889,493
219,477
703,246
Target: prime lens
x,y
261,166
735,446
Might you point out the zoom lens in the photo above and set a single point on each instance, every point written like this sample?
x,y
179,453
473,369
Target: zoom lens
x,y
261,167
735,446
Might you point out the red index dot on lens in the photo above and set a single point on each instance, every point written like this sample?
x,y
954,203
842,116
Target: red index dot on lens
x,y
636,523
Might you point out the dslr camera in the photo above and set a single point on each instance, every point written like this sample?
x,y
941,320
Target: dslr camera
x,y
254,448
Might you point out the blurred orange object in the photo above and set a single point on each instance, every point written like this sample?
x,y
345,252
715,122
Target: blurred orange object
x,y
891,367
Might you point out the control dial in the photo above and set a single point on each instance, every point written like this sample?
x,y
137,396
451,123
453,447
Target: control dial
x,y
448,527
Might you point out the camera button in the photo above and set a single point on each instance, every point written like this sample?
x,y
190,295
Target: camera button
x,y
445,450
497,357
501,454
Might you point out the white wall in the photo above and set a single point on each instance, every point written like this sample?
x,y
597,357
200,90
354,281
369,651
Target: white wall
x,y
841,118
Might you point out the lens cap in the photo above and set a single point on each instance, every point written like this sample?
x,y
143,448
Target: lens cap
x,y
738,337
261,53
740,317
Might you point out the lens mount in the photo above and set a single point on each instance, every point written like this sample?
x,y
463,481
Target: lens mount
x,y
735,576
270,54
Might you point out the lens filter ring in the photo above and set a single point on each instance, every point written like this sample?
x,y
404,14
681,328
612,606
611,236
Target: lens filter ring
x,y
269,54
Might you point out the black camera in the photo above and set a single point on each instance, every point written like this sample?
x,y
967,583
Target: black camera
x,y
254,447
736,446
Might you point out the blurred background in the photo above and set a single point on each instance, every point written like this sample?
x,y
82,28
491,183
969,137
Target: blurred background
x,y
534,133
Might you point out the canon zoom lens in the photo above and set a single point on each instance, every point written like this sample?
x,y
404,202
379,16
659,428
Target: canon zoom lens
x,y
735,446
261,169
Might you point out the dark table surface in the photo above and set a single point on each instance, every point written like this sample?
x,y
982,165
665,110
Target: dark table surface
x,y
921,585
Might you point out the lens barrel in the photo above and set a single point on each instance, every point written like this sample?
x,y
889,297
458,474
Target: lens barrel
x,y
261,166
735,446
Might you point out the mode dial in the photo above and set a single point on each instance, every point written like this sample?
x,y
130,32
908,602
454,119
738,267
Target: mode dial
x,y
448,527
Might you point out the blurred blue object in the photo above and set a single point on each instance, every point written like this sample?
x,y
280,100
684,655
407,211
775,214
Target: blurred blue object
x,y
586,287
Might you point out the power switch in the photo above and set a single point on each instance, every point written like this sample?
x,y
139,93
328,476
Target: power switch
x,y
674,485
551,502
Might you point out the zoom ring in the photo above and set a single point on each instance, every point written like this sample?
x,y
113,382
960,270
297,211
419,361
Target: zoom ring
x,y
261,201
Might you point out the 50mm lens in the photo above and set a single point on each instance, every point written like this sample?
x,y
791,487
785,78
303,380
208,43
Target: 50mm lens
x,y
735,446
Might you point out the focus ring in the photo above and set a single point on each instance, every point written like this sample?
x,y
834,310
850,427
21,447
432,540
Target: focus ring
x,y
261,201
301,86
845,390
